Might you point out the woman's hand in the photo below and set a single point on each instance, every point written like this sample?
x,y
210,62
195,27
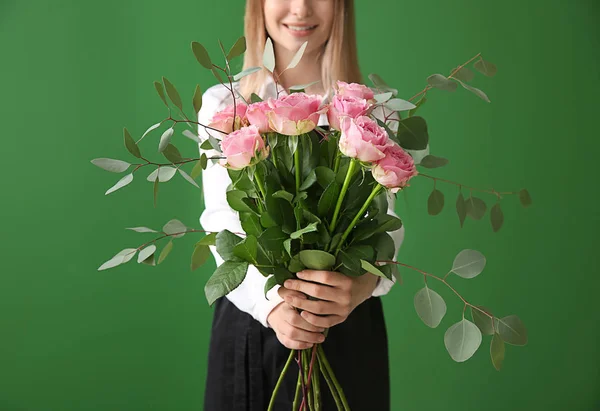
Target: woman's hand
x,y
293,331
338,295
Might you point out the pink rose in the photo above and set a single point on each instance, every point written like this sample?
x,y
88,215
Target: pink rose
x,y
355,90
395,169
223,120
295,114
362,138
243,148
257,115
349,106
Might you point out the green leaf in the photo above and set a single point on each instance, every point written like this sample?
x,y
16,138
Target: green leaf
x,y
174,226
271,282
308,229
302,87
298,56
201,55
292,144
397,104
295,264
197,170
161,92
497,350
372,269
413,134
310,179
468,264
188,178
269,56
152,127
199,256
435,202
235,199
430,306
192,136
108,164
383,97
267,221
430,161
146,253
525,198
120,184
329,198
512,330
245,73
121,257
351,264
421,101
246,249
149,261
287,245
496,217
384,244
254,98
237,49
165,173
482,321
141,229
462,340
476,208
379,83
226,242
461,208
172,93
209,239
165,252
272,239
441,82
172,154
226,278
324,176
165,139
197,99
155,189
486,68
284,195
316,259
475,91
251,224
130,144
464,74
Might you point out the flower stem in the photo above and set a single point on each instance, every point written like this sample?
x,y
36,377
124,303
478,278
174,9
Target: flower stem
x,y
360,213
297,167
260,185
332,388
338,206
285,368
334,381
298,385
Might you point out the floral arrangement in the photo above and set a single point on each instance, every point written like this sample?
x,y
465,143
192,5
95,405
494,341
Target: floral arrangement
x,y
310,197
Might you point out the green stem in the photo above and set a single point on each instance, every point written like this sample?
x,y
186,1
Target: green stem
x,y
336,384
297,166
309,391
336,166
338,206
360,213
285,368
332,389
297,395
261,186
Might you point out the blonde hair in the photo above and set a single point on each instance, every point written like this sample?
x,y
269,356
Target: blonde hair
x,y
338,59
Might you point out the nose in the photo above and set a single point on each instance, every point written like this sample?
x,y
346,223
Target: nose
x,y
301,8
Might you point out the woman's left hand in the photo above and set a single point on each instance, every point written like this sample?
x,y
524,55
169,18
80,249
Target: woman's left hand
x,y
338,295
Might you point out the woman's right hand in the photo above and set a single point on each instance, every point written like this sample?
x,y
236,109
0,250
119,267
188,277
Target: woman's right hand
x,y
293,331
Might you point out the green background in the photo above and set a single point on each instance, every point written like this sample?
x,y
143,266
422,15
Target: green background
x,y
135,337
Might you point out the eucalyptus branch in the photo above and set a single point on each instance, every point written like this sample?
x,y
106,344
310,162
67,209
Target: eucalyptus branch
x,y
443,280
189,160
492,191
456,70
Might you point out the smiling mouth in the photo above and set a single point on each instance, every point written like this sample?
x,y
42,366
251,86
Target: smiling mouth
x,y
300,28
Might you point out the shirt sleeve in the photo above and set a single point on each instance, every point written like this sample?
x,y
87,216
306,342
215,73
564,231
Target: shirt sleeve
x,y
249,296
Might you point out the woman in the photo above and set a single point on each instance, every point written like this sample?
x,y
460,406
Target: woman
x,y
252,335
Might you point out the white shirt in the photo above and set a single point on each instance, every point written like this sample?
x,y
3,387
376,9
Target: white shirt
x,y
217,216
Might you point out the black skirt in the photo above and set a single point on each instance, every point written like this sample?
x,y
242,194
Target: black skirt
x,y
246,359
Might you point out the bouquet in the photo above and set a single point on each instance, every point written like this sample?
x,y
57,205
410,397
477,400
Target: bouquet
x,y
310,197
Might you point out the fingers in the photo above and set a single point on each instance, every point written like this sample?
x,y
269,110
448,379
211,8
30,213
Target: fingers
x,y
330,278
316,307
316,290
327,321
293,331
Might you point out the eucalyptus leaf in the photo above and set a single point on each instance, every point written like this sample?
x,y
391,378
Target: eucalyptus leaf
x,y
482,321
141,229
155,189
237,49
462,340
197,170
130,144
430,306
269,56
108,164
475,91
476,208
435,202
172,93
161,92
226,278
367,266
246,72
192,136
121,257
165,139
412,133
172,154
188,178
461,208
146,252
383,97
152,127
464,74
468,264
200,255
441,82
120,184
150,261
165,252
209,239
317,259
512,330
497,350
421,101
217,75
197,99
174,226
165,173
301,87
431,161
397,104
380,84
298,56
254,98
525,198
201,55
496,217
486,68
